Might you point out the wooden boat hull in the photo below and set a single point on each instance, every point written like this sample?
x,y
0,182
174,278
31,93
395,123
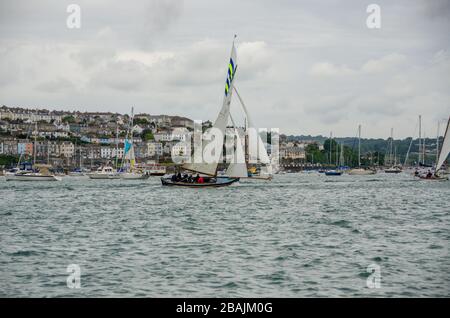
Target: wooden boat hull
x,y
219,182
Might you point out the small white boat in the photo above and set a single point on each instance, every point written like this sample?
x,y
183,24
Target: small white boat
x,y
438,174
156,170
394,169
360,171
104,173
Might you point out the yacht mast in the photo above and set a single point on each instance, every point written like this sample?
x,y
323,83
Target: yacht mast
x,y
359,145
331,136
420,138
391,146
35,137
117,143
437,143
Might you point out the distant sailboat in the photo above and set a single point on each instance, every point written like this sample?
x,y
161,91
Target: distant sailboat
x,y
360,171
443,154
394,168
338,171
129,159
40,172
209,168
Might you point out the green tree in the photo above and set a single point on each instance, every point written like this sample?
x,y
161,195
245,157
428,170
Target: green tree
x,y
147,135
68,119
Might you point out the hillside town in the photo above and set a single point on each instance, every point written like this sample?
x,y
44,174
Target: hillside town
x,y
70,139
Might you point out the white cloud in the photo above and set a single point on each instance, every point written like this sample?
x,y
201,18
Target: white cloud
x,y
386,63
329,69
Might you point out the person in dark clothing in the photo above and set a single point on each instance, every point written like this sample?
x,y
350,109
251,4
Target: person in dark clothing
x,y
196,178
178,176
429,174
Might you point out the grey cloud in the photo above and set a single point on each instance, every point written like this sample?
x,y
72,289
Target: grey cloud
x,y
55,86
306,67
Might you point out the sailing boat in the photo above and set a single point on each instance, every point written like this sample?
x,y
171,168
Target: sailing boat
x,y
38,173
394,168
360,171
339,171
129,159
443,154
210,141
108,172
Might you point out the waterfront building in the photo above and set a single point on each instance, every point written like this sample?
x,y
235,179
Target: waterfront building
x,y
67,149
155,149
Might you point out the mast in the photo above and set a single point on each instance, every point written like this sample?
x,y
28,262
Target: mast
x,y
117,143
395,156
359,145
420,138
423,147
337,154
391,146
34,148
331,136
437,142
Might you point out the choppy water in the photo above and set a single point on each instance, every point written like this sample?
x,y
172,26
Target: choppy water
x,y
301,235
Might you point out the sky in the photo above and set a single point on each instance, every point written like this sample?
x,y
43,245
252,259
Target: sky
x,y
305,67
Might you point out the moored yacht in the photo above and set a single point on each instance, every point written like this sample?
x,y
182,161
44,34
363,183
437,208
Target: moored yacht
x,y
41,173
105,172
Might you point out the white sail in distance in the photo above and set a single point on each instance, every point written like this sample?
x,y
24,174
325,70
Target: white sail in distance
x,y
210,168
445,148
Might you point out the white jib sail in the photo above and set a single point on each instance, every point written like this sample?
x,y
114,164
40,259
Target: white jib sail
x,y
238,166
208,142
445,148
257,150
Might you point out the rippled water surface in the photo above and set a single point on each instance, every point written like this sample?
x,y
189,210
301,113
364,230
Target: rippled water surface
x,y
301,235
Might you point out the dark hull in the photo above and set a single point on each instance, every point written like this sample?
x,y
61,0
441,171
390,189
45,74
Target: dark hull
x,y
157,174
219,182
333,173
434,178
392,171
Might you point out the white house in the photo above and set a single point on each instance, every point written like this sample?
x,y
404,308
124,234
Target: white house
x,y
155,149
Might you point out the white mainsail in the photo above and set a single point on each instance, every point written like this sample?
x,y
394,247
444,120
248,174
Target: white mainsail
x,y
210,168
445,148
